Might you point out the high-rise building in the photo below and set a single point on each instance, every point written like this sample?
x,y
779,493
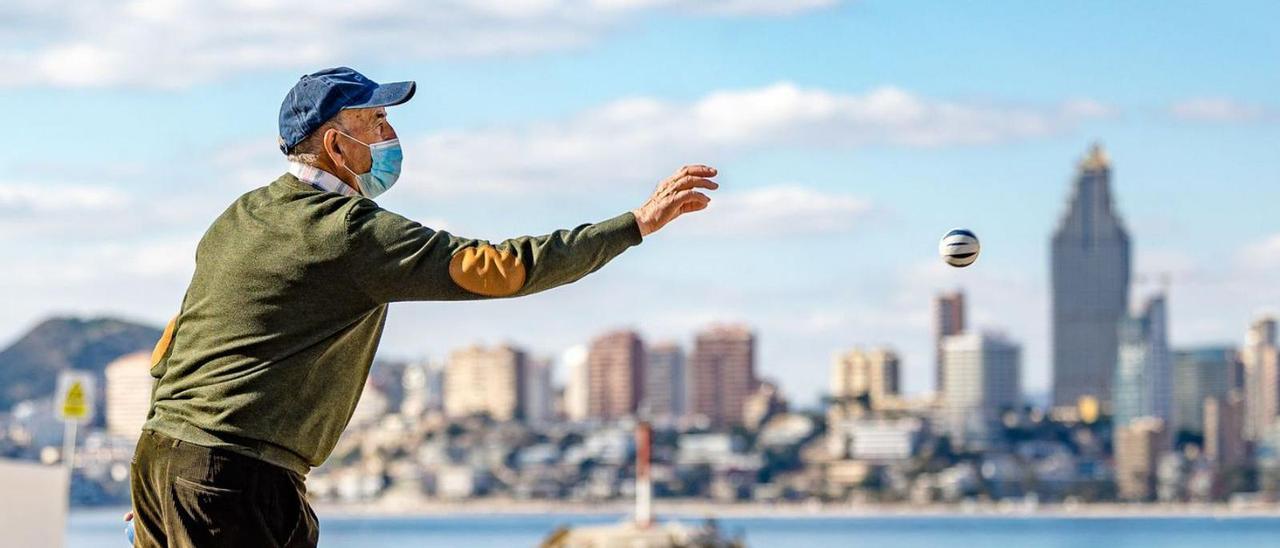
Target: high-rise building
x,y
479,380
1090,280
1224,430
722,374
1138,445
948,320
1144,376
871,374
1261,360
423,386
576,384
615,375
1201,373
983,381
539,392
128,392
664,386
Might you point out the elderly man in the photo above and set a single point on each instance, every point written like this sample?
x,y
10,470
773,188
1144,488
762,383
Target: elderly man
x,y
260,370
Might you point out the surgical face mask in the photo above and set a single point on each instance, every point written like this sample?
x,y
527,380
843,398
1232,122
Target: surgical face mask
x,y
384,168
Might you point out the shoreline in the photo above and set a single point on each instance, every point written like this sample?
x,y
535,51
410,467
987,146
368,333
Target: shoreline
x,y
686,510
697,510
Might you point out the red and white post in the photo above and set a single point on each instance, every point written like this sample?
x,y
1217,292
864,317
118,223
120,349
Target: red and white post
x,y
644,483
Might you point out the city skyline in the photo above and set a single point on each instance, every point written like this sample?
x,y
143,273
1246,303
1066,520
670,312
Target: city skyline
x,y
855,132
489,422
1148,363
1206,370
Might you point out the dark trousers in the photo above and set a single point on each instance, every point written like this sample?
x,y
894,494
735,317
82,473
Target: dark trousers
x,y
189,495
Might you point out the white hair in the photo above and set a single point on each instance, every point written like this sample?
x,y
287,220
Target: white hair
x,y
309,149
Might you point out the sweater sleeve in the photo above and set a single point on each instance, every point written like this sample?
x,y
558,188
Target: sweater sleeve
x,y
396,259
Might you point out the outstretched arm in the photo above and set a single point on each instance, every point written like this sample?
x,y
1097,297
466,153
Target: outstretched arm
x,y
395,259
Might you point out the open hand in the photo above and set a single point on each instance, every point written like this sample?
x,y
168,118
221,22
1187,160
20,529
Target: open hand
x,y
676,196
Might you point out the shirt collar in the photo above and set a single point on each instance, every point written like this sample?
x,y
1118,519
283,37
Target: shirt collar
x,y
321,179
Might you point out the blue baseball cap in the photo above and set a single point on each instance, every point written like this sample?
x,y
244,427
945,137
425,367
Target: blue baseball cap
x,y
319,96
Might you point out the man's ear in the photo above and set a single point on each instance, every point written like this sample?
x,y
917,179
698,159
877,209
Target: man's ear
x,y
330,143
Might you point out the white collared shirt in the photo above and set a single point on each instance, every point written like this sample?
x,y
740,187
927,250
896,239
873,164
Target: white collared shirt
x,y
320,179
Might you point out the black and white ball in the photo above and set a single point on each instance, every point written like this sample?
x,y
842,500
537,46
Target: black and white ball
x,y
959,248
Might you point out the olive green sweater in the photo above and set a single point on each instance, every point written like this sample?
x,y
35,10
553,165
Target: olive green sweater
x,y
277,331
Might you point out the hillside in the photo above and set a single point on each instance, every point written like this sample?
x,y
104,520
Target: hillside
x,y
29,367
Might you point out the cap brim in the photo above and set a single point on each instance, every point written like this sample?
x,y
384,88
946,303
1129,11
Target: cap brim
x,y
386,95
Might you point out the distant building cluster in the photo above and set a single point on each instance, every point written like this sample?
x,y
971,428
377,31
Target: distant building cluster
x,y
1131,417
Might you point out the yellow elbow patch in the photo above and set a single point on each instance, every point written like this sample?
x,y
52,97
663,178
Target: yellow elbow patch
x,y
165,341
484,270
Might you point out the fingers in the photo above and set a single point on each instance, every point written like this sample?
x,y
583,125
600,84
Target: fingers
x,y
696,170
690,207
683,198
688,182
689,176
689,201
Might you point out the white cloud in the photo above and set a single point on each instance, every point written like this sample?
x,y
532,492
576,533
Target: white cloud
x,y
638,137
785,210
1262,255
51,213
1088,108
1221,111
176,43
30,211
46,198
105,265
756,7
642,139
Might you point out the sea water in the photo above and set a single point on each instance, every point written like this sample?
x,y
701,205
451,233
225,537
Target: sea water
x,y
103,528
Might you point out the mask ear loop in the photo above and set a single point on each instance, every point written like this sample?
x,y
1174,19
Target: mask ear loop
x,y
344,162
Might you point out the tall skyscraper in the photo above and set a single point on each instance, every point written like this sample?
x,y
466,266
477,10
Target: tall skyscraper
x,y
1090,280
983,380
948,320
722,373
873,374
664,387
479,380
1261,360
539,392
1201,373
615,375
128,392
1138,445
1144,375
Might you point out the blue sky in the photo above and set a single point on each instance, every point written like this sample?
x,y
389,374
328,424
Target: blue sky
x,y
850,136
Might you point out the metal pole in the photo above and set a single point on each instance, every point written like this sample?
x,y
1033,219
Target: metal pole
x,y
69,447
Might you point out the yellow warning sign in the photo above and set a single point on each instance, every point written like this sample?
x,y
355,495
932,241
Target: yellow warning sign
x,y
74,406
75,396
